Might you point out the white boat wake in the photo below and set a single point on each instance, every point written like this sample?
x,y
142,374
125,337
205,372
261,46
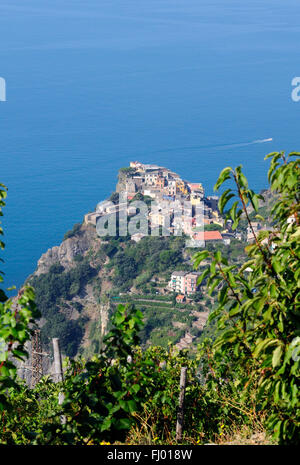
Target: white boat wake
x,y
219,146
262,141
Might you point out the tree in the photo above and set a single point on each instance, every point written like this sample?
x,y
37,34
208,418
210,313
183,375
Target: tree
x,y
75,230
213,227
258,310
114,198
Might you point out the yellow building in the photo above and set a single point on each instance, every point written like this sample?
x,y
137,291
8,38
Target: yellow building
x,y
195,199
181,187
160,219
217,219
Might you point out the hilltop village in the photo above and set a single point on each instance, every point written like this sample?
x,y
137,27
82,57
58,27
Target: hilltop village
x,y
169,192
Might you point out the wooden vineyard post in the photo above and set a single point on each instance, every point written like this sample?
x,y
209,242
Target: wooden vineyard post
x,y
180,413
36,358
58,370
57,361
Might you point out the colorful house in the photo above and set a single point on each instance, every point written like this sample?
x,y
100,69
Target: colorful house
x,y
208,236
190,283
180,298
177,281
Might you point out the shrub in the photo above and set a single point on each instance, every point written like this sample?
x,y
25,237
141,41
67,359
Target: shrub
x,y
258,311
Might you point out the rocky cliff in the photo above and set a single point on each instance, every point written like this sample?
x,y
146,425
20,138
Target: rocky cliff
x,y
78,245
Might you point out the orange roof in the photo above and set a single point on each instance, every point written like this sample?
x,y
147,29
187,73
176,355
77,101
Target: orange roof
x,y
208,236
195,185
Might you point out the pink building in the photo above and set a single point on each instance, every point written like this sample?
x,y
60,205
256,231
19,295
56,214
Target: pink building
x,y
183,282
190,283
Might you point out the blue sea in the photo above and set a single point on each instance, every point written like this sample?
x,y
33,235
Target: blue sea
x,y
194,85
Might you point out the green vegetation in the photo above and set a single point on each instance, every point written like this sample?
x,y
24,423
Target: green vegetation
x,y
153,254
127,170
17,319
52,289
258,318
114,197
263,214
159,329
244,376
143,198
213,227
146,266
124,265
235,251
132,402
73,231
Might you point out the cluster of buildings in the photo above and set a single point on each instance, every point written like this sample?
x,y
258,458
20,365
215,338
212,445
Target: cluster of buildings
x,y
168,189
104,208
159,183
183,282
177,204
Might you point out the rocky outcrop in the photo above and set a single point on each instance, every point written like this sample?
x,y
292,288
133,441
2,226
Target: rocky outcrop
x,y
123,179
64,254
